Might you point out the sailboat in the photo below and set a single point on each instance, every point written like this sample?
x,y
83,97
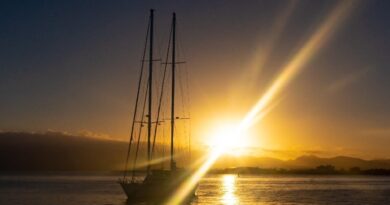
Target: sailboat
x,y
157,185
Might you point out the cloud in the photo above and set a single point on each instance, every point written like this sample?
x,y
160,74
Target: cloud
x,y
346,81
91,134
82,133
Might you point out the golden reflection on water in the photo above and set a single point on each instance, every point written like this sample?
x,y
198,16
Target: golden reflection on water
x,y
228,189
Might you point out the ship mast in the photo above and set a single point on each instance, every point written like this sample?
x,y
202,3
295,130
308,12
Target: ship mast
x,y
150,87
173,164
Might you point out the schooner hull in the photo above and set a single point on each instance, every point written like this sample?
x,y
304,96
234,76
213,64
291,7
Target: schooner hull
x,y
157,187
156,193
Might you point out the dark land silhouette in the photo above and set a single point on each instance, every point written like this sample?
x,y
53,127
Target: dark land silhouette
x,y
54,151
320,170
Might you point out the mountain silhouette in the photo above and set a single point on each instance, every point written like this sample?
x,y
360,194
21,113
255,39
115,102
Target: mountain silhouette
x,y
55,151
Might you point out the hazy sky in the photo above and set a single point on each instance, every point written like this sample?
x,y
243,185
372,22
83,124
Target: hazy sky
x,y
72,66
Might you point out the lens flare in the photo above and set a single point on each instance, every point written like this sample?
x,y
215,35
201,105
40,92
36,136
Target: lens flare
x,y
296,65
152,162
192,181
292,68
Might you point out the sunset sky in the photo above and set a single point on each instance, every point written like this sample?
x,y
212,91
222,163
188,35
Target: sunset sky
x,y
72,66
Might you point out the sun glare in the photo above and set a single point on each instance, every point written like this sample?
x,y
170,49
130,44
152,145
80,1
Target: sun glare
x,y
230,136
229,188
228,139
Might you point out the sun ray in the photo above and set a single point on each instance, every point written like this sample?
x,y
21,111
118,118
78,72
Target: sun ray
x,y
296,65
291,70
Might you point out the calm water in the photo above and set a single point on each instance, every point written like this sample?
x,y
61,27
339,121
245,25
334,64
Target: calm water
x,y
215,189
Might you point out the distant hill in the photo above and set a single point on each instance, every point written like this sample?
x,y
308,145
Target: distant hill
x,y
55,151
302,162
20,151
340,162
52,151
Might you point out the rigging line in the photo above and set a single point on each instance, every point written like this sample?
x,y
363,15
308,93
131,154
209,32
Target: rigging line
x,y
182,92
163,145
139,134
156,83
183,106
189,139
183,103
136,103
179,145
188,105
182,54
177,142
162,90
179,44
187,89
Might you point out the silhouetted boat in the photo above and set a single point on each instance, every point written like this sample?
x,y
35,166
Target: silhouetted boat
x,y
158,184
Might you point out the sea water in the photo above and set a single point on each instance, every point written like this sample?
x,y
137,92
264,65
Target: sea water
x,y
213,189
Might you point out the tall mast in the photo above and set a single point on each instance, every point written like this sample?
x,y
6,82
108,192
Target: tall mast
x,y
173,165
150,86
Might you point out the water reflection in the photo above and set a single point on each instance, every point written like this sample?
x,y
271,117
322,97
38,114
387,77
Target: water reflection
x,y
228,189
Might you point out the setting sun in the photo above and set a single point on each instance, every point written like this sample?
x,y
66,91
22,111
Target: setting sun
x,y
202,102
228,139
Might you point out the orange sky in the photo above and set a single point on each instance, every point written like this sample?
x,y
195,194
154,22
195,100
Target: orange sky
x,y
322,68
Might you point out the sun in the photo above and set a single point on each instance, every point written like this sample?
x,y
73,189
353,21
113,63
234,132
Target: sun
x,y
228,139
